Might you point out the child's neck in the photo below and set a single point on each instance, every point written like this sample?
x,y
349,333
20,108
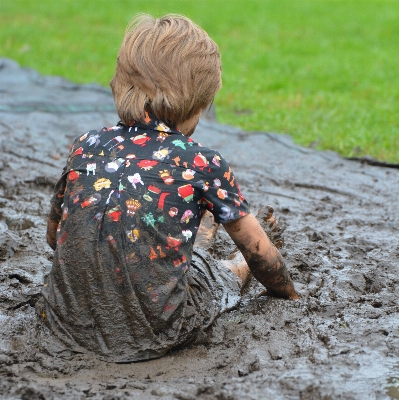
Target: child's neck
x,y
187,127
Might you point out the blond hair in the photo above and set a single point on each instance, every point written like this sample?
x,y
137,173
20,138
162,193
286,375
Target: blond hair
x,y
168,65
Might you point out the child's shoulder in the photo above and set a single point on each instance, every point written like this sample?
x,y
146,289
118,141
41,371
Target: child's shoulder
x,y
192,151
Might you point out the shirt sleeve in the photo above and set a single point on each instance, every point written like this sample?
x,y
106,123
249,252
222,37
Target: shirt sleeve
x,y
221,192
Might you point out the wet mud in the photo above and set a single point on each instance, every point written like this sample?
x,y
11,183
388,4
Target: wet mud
x,y
340,341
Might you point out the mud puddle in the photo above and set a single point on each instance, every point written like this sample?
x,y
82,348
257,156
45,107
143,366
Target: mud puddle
x,y
341,340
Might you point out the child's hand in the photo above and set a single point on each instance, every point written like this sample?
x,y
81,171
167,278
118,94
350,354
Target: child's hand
x,y
270,225
287,293
294,296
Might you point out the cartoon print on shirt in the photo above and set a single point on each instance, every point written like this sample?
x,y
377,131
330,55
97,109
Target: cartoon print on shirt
x,y
117,139
93,139
153,254
222,194
166,177
162,136
216,160
114,165
188,174
111,241
237,202
200,161
146,165
181,263
173,211
121,187
109,196
91,167
161,253
73,175
113,128
163,127
98,217
187,234
205,202
180,143
187,215
75,193
64,214
149,219
154,189
132,205
140,140
83,137
87,155
61,240
161,200
204,185
133,235
177,161
161,154
186,192
102,183
227,174
173,243
135,179
78,151
114,213
91,201
217,183
147,197
226,214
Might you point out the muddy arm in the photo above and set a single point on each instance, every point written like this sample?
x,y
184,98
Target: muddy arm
x,y
52,224
263,259
54,216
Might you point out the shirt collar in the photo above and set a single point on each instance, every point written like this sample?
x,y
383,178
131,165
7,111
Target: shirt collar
x,y
154,124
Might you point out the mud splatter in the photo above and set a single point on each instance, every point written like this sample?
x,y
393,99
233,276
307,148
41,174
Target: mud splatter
x,y
341,340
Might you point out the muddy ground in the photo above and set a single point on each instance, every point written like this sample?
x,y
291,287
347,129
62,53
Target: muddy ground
x,y
340,341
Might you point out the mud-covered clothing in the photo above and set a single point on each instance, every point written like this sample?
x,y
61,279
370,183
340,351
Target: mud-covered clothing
x,y
129,204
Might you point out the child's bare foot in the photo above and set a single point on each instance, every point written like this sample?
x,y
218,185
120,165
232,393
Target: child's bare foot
x,y
269,224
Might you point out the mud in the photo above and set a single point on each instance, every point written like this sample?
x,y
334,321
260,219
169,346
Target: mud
x,y
340,341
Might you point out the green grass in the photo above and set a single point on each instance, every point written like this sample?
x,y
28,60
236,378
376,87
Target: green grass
x,y
326,72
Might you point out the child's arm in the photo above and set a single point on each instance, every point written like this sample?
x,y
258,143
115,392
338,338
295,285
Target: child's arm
x,y
54,216
263,259
52,224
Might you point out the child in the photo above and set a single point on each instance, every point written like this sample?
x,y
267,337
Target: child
x,y
126,281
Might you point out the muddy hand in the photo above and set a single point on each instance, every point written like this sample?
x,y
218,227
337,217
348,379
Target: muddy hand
x,y
294,296
270,225
288,292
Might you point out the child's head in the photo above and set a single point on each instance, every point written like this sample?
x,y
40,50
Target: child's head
x,y
167,65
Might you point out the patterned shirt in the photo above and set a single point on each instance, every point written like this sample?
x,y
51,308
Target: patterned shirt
x,y
129,205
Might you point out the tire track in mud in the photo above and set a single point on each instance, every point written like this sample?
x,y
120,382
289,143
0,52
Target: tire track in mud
x,y
341,340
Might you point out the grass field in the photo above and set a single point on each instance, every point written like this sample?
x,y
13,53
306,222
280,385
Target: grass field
x,y
323,71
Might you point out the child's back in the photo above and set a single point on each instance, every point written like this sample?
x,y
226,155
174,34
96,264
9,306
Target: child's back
x,y
132,201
